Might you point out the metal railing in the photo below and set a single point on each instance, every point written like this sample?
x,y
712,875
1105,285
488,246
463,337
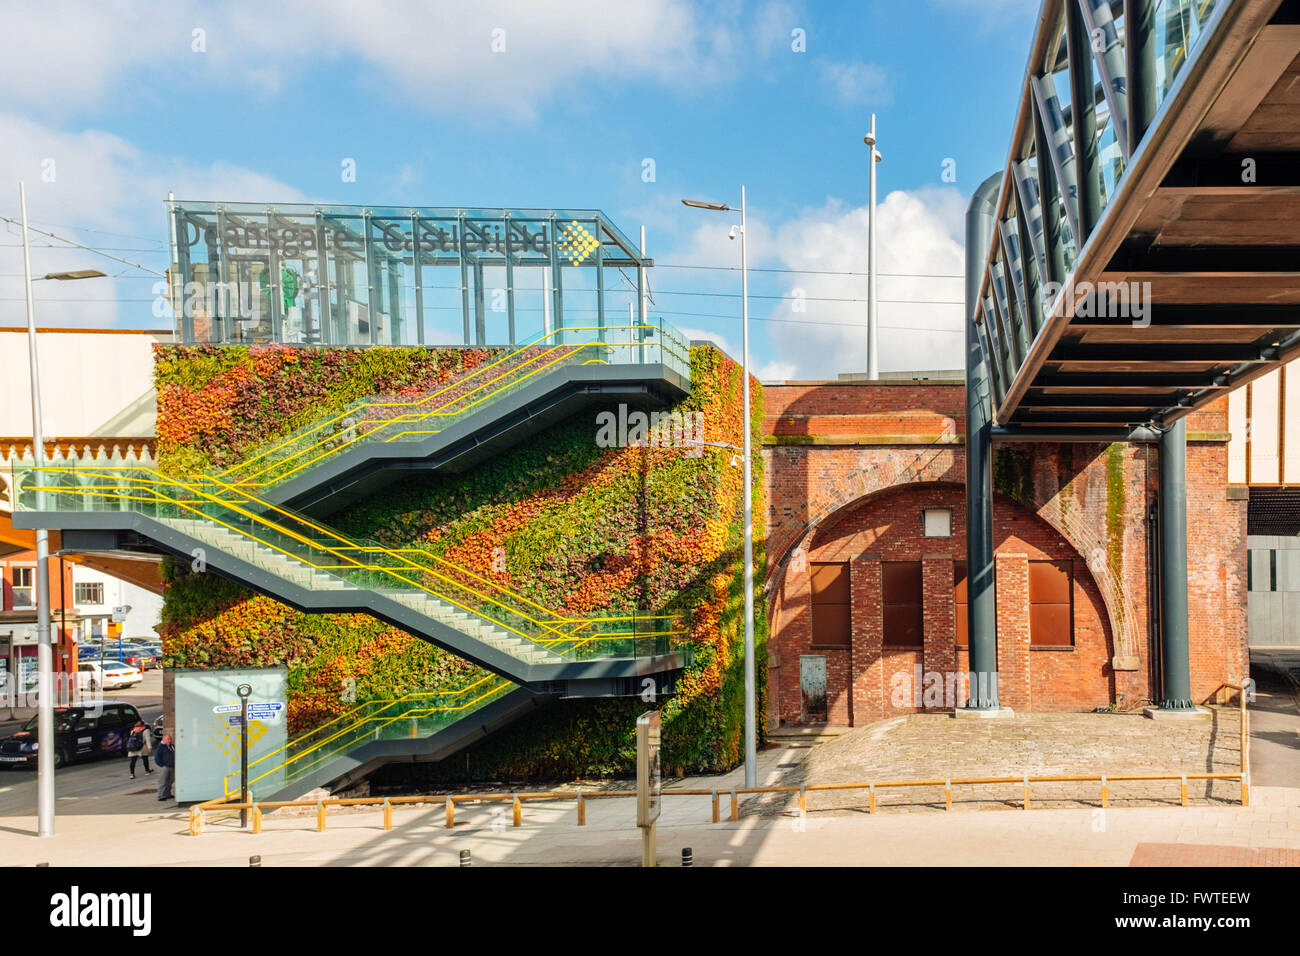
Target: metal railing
x,y
580,797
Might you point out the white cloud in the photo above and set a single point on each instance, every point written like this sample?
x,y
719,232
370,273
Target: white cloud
x,y
491,57
919,247
704,335
775,371
857,83
100,182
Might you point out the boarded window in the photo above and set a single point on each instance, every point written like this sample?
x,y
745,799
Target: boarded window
x,y
830,604
959,598
1051,603
901,598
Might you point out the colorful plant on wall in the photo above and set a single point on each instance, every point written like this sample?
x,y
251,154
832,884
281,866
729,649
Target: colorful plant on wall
x,y
577,528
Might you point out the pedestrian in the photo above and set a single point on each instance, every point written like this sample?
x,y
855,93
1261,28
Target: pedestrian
x,y
139,745
165,757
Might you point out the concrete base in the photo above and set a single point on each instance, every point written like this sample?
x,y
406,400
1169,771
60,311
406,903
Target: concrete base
x,y
970,713
1156,713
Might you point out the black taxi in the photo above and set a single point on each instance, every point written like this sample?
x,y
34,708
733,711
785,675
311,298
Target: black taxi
x,y
82,732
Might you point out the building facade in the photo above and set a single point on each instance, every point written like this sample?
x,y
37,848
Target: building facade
x,y
867,548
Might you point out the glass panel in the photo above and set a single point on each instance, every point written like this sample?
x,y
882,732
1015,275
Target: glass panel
x,y
350,275
1178,26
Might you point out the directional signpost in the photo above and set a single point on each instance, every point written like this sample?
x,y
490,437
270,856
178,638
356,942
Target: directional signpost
x,y
649,783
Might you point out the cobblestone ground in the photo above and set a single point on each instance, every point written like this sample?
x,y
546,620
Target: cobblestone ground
x,y
926,746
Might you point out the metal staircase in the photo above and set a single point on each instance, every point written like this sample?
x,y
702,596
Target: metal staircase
x,y
235,522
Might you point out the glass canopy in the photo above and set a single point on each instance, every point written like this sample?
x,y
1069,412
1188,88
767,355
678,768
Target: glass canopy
x,y
365,275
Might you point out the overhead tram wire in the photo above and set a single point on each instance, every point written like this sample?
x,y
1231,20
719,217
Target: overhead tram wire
x,y
92,249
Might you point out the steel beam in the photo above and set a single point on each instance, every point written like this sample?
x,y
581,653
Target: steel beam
x,y
1140,64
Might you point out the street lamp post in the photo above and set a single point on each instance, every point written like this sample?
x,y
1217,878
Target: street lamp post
x,y
44,644
751,705
873,346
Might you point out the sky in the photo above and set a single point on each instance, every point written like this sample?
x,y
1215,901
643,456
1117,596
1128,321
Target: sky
x,y
622,107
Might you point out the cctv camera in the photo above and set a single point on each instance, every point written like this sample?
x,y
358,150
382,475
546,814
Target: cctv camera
x,y
732,233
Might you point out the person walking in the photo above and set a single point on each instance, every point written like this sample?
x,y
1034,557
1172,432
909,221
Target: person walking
x,y
165,757
139,745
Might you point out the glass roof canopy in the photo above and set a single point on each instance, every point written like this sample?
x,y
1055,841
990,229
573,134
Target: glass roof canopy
x,y
311,274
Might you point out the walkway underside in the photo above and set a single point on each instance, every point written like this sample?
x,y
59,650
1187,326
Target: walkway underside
x,y
1205,221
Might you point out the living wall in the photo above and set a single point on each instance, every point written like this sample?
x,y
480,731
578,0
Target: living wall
x,y
578,528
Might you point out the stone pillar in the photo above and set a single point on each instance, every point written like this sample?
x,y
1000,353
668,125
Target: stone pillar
x,y
940,634
1013,630
868,634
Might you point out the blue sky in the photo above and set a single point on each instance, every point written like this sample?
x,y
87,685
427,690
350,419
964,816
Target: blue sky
x,y
267,101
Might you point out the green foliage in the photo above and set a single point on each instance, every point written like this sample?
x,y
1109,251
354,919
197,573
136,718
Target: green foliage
x,y
583,529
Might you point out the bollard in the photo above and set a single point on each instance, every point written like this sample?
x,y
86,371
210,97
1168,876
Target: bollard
x,y
257,818
717,809
451,812
388,814
582,809
320,815
1105,793
871,798
519,811
947,794
254,861
803,802
1183,788
687,858
1027,804
735,806
464,858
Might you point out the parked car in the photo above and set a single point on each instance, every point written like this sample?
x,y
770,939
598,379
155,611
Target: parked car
x,y
89,730
106,675
133,654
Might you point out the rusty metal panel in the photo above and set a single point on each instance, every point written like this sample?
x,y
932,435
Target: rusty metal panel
x,y
901,603
812,685
1049,582
831,625
830,583
1051,625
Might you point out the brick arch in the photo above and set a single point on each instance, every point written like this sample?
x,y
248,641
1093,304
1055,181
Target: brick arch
x,y
1070,528
875,471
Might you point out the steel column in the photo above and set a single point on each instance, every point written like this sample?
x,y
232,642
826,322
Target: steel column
x,y
510,283
1055,136
980,609
1175,662
1049,198
418,278
480,313
273,261
323,285
464,275
1140,55
1109,54
1083,120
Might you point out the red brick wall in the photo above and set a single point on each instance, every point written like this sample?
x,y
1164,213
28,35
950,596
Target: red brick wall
x,y
849,467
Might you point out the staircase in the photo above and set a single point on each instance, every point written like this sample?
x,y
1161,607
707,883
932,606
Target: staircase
x,y
237,523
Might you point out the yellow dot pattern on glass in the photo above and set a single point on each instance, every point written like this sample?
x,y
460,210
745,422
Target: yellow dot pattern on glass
x,y
577,243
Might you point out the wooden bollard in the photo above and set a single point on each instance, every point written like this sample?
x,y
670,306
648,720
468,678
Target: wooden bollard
x,y
519,811
257,818
1027,803
735,806
717,807
320,815
1183,790
582,809
388,814
947,794
1105,793
451,811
